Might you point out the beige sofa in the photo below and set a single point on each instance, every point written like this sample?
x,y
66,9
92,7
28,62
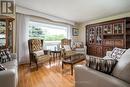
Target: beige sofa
x,y
87,77
9,77
81,49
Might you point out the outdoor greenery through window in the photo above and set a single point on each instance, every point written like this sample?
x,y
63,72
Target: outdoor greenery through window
x,y
47,32
52,34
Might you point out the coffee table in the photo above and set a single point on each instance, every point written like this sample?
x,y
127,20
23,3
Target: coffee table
x,y
73,60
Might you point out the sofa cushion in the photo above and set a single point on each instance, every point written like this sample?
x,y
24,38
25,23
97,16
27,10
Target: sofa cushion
x,y
117,53
80,49
122,69
100,64
10,63
10,67
107,57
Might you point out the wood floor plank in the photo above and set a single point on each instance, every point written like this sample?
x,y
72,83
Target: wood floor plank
x,y
45,76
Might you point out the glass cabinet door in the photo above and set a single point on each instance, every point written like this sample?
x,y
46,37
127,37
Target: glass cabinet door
x,y
10,34
118,28
2,33
6,32
99,35
92,35
107,29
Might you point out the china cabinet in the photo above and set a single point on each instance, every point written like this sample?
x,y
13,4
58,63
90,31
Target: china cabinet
x,y
104,36
6,32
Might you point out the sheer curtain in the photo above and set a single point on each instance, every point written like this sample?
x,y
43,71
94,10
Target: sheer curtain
x,y
22,37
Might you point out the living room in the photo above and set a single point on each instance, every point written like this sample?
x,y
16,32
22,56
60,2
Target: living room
x,y
61,43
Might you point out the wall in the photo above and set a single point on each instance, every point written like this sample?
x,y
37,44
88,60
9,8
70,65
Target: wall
x,y
31,12
76,38
81,26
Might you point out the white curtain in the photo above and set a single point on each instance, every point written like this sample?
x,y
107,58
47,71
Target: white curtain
x,y
22,37
69,32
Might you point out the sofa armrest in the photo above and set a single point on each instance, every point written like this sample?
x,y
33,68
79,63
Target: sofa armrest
x,y
86,77
8,78
14,55
108,53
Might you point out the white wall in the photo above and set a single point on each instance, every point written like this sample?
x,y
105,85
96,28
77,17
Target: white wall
x,y
31,12
81,26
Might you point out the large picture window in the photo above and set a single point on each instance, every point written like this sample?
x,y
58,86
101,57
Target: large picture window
x,y
52,34
48,32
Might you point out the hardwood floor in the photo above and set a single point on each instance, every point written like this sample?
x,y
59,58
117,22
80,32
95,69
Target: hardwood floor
x,y
45,76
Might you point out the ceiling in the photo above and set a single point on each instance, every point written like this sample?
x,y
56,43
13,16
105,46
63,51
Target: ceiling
x,y
78,10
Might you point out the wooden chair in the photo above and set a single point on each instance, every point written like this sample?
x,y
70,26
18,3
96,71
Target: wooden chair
x,y
36,52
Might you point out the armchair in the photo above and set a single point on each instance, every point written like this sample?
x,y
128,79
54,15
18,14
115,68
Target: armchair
x,y
36,52
66,48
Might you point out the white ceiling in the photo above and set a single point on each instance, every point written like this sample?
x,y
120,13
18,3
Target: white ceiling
x,y
78,10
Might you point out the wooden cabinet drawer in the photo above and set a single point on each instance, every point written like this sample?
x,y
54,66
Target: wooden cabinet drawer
x,y
108,42
91,50
119,43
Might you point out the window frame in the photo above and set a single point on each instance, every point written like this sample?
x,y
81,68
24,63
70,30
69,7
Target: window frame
x,y
54,43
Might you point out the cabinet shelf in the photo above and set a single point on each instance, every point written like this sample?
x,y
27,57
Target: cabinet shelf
x,y
111,34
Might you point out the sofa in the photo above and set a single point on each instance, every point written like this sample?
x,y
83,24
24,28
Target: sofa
x,y
79,47
9,77
120,76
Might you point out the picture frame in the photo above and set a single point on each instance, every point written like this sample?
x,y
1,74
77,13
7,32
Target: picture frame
x,y
75,31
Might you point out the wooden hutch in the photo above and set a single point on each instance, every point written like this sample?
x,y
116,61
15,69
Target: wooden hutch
x,y
104,36
6,32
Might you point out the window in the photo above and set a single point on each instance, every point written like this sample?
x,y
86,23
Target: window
x,y
47,32
52,34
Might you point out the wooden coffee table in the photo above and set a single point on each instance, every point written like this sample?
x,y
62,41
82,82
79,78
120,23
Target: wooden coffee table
x,y
73,60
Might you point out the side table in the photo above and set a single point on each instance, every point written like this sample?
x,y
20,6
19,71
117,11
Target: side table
x,y
56,54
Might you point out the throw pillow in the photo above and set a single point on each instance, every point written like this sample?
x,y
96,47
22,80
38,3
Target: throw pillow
x,y
67,48
78,45
39,53
2,68
3,56
7,52
103,65
117,53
